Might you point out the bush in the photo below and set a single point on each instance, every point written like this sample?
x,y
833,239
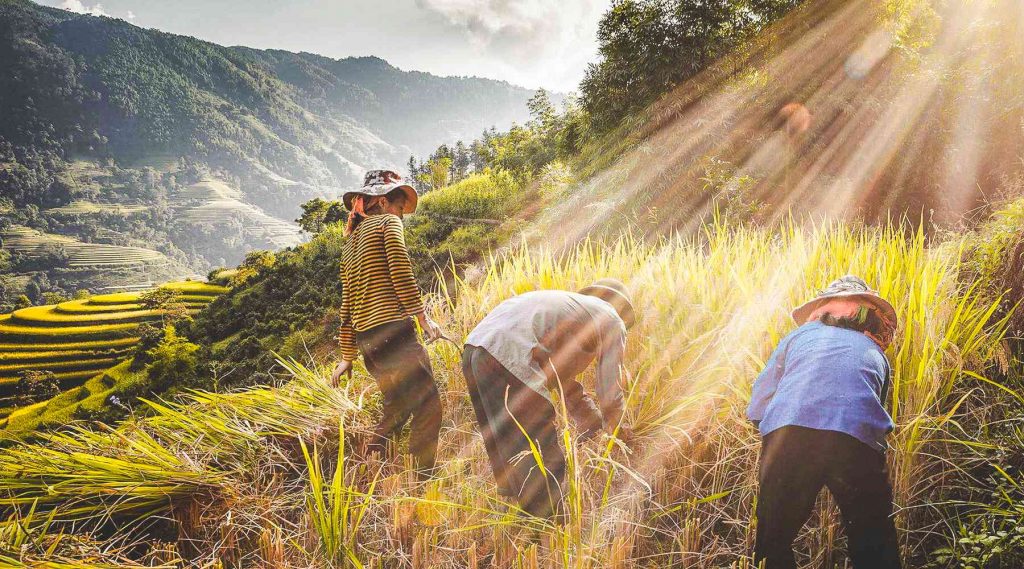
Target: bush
x,y
34,386
173,362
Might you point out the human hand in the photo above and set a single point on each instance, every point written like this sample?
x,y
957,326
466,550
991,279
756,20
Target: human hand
x,y
430,328
343,367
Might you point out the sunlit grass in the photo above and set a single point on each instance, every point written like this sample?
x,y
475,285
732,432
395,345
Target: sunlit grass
x,y
271,476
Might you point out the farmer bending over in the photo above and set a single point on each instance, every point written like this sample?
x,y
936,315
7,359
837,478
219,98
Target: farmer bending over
x,y
380,299
527,347
819,407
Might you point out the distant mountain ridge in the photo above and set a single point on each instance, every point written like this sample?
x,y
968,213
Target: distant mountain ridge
x,y
150,113
149,91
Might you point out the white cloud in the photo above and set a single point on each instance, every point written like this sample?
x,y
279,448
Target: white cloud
x,y
549,41
80,7
130,15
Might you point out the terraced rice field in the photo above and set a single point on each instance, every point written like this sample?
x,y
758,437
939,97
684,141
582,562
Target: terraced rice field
x,y
79,339
212,201
85,207
80,255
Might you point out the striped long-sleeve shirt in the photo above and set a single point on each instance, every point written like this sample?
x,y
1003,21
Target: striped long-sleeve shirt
x,y
378,285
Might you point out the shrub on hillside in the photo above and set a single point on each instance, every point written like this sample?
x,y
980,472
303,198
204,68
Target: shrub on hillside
x,y
34,386
172,363
255,262
459,223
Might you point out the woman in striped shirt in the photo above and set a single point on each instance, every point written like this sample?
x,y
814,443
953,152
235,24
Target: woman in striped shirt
x,y
380,300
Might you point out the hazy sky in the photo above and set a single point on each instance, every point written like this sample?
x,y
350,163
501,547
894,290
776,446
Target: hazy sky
x,y
534,43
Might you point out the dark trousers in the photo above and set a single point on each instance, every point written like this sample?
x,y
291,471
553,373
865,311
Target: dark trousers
x,y
395,358
796,462
500,400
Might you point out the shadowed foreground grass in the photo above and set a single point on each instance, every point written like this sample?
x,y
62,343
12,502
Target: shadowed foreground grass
x,y
272,476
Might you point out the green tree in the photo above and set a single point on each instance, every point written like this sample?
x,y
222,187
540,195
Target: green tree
x,y
53,298
318,213
438,173
255,262
172,362
32,292
169,302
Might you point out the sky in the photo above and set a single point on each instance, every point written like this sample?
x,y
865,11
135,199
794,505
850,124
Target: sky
x,y
532,43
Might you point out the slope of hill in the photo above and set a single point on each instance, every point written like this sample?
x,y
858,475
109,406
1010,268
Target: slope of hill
x,y
680,494
104,123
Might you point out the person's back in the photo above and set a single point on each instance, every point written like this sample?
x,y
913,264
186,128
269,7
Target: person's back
x,y
524,349
527,326
825,377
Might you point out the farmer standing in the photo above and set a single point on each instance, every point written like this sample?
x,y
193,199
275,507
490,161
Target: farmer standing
x,y
819,407
527,347
380,300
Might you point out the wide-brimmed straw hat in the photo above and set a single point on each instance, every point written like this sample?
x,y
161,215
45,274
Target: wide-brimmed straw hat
x,y
849,286
615,293
382,183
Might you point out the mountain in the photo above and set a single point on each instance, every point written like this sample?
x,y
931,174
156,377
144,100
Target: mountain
x,y
100,115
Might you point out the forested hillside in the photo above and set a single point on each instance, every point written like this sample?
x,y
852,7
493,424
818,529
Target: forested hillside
x,y
113,134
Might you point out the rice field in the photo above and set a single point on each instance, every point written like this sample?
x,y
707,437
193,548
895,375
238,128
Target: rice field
x,y
277,476
79,255
213,201
85,207
78,339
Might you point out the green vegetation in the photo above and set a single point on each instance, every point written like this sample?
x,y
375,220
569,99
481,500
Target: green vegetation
x,y
460,223
650,46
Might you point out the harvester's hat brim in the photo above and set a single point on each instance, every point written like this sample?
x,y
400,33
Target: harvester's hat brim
x,y
848,287
411,197
381,183
613,292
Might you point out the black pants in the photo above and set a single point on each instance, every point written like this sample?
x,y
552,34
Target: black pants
x,y
401,366
796,462
500,400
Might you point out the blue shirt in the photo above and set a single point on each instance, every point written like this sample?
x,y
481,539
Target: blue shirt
x,y
825,377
